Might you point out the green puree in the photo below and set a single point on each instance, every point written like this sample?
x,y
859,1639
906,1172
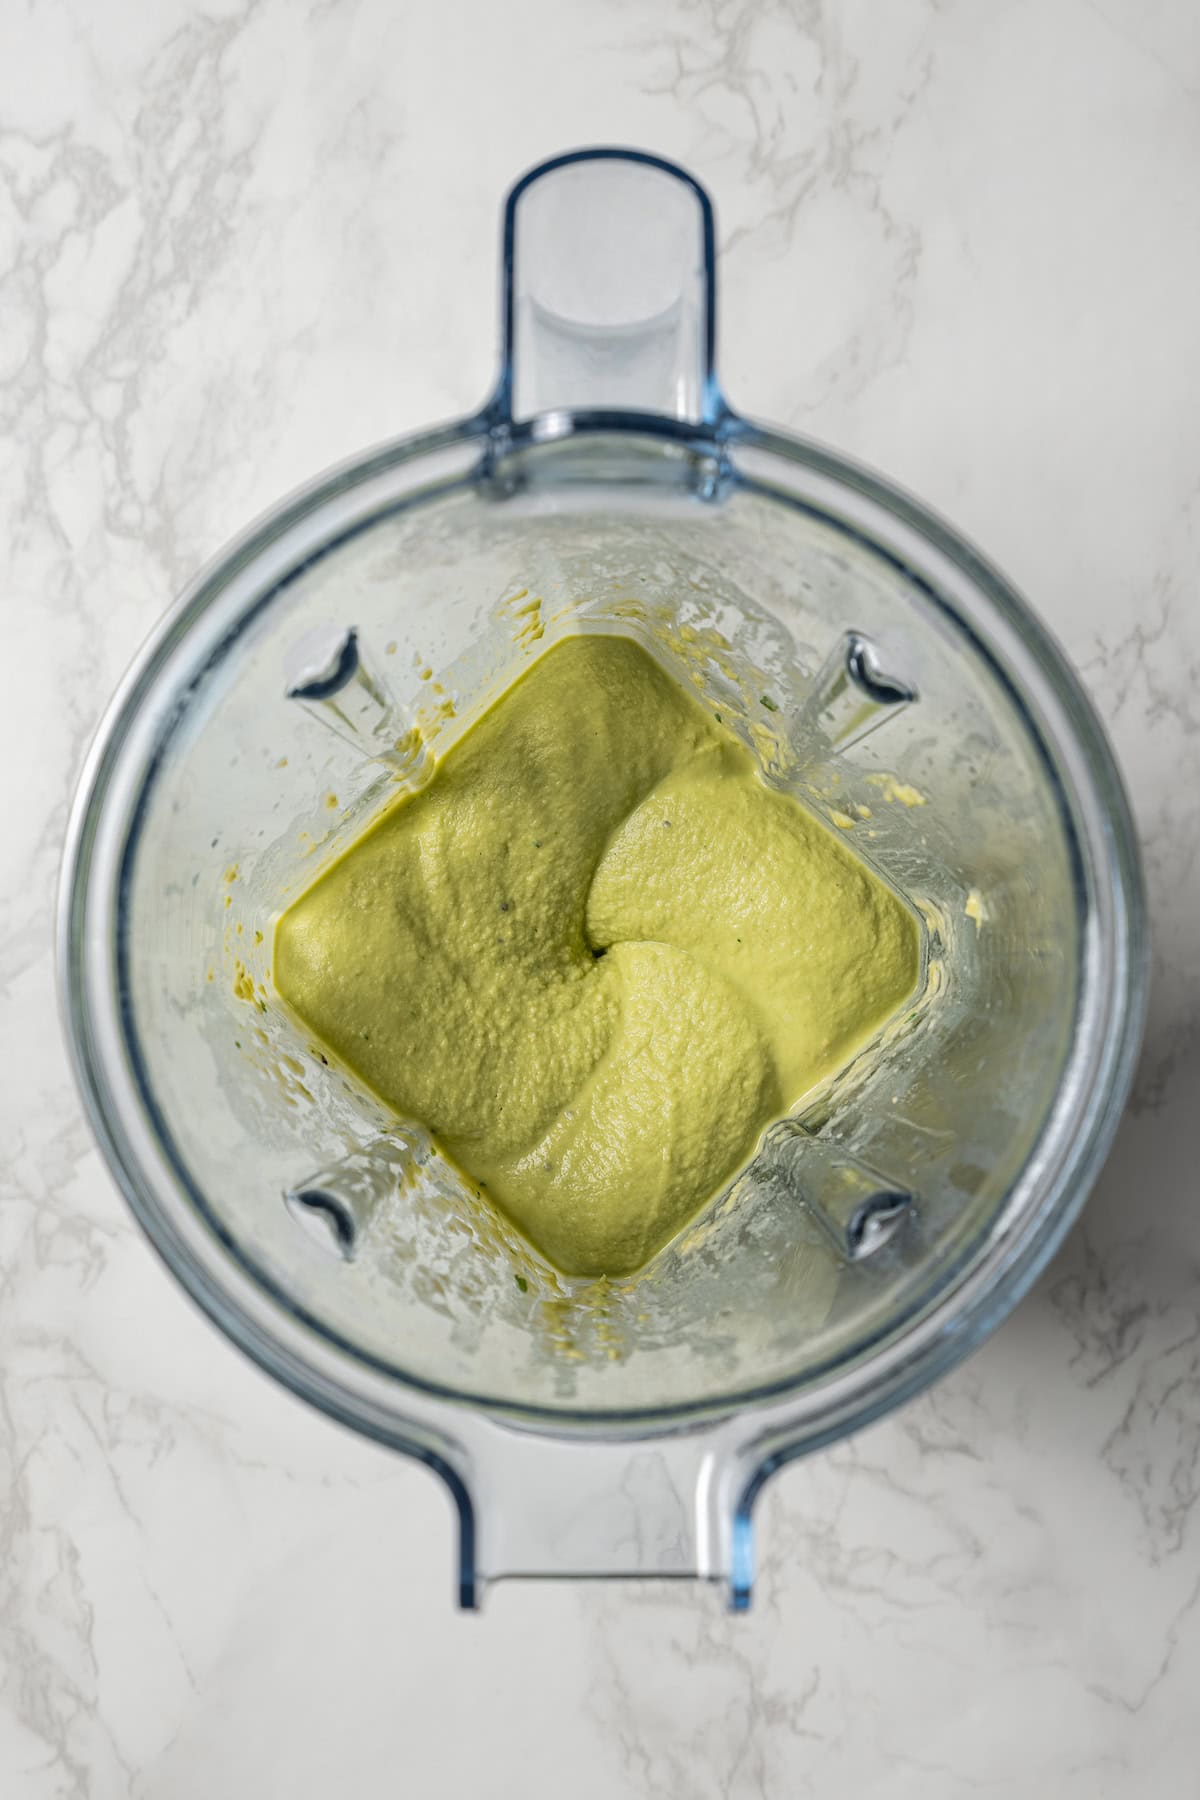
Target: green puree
x,y
595,955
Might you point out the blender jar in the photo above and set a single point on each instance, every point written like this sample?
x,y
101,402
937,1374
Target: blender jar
x,y
879,668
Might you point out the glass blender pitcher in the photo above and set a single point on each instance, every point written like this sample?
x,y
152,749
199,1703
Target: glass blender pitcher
x,y
880,670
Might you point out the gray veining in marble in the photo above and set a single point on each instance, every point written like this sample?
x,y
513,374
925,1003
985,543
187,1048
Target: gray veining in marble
x,y
240,240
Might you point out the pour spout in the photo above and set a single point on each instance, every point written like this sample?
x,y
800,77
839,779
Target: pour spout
x,y
548,1507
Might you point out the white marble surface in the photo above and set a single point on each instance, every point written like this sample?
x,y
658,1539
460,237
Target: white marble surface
x,y
240,240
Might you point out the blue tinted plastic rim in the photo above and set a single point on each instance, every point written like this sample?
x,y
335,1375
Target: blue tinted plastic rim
x,y
957,1334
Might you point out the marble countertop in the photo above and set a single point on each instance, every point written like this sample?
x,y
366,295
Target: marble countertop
x,y
240,240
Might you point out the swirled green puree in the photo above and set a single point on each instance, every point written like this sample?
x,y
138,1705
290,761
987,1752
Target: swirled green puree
x,y
596,955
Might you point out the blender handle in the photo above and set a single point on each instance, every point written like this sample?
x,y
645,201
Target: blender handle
x,y
608,288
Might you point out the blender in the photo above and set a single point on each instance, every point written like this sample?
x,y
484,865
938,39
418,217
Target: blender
x,y
881,671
